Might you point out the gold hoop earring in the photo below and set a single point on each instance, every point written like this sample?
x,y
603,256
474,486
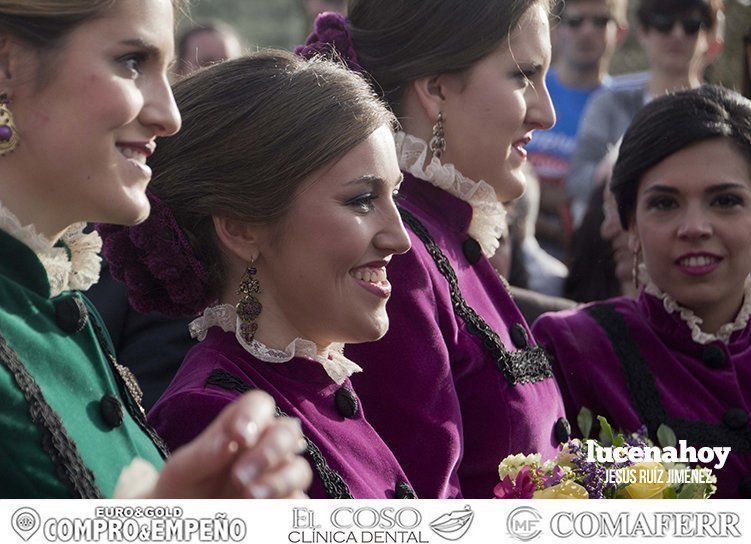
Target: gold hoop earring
x,y
8,133
249,307
438,141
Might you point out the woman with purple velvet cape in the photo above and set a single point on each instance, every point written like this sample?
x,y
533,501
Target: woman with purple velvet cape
x,y
679,355
274,220
457,383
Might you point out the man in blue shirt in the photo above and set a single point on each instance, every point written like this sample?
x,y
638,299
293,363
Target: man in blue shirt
x,y
584,41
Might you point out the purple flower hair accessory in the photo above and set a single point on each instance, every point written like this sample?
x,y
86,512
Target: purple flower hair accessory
x,y
157,263
331,34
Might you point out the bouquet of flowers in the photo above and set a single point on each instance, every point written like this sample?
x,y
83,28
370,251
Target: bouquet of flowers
x,y
575,474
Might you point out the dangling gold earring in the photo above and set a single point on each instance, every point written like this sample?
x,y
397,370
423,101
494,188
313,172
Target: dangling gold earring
x,y
438,141
249,307
635,271
8,133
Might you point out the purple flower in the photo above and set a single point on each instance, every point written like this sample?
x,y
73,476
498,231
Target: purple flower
x,y
331,37
554,478
523,487
590,474
157,263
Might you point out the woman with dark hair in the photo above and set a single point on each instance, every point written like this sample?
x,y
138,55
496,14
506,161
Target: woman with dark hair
x,y
678,355
279,234
592,270
457,383
83,96
601,264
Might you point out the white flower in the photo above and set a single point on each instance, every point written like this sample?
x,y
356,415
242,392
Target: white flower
x,y
565,457
512,464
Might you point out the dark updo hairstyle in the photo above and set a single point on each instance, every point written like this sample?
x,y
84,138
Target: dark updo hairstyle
x,y
399,41
670,124
708,10
254,129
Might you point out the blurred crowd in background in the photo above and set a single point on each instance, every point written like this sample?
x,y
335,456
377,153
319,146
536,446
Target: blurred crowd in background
x,y
563,238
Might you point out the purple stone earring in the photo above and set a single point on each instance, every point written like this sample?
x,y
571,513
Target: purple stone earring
x,y
249,307
8,133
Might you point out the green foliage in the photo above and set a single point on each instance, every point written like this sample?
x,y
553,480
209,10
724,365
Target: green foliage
x,y
669,493
584,420
666,437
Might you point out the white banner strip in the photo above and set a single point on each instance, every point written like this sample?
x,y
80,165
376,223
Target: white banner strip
x,y
374,522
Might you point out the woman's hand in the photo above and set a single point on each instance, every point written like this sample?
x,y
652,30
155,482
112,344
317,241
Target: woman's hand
x,y
245,453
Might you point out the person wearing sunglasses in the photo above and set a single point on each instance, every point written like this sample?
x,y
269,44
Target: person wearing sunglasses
x,y
585,37
680,38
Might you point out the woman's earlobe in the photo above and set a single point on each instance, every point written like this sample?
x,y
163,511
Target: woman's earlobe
x,y
19,64
237,238
430,95
5,72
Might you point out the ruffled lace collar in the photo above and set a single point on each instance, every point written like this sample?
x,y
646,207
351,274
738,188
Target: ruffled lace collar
x,y
488,215
694,321
74,268
336,365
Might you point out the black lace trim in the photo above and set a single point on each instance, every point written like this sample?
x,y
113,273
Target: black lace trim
x,y
336,487
132,403
62,450
518,367
645,396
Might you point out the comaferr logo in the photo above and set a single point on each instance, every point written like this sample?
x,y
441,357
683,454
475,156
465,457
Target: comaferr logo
x,y
454,525
524,523
647,525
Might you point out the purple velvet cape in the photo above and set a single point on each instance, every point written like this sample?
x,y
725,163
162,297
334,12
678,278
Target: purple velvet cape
x,y
688,387
301,389
430,388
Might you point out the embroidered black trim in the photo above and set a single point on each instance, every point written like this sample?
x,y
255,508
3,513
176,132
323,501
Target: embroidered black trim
x,y
645,396
127,390
59,446
529,365
336,487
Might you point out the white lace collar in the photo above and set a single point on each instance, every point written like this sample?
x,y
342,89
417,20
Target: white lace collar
x,y
488,215
694,321
336,365
79,271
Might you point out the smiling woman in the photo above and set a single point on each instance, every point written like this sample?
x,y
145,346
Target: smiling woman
x,y
83,95
457,383
284,231
679,354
